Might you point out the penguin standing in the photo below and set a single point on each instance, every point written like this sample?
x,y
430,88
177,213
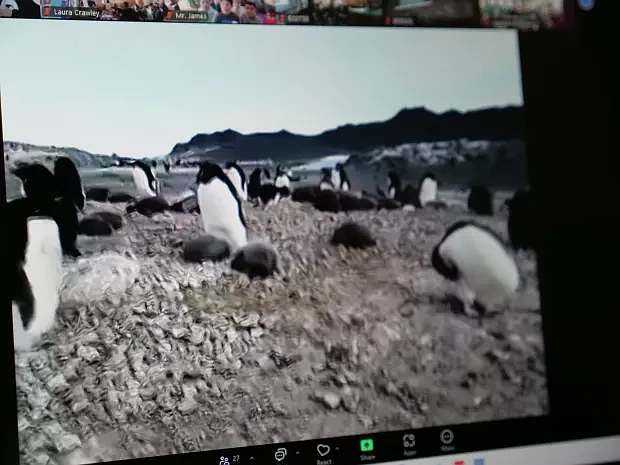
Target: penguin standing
x,y
428,189
282,178
35,276
327,181
474,256
144,180
345,183
237,176
220,207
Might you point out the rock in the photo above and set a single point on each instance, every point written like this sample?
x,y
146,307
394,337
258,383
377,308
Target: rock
x,y
206,248
98,194
329,399
148,206
118,197
352,202
113,219
327,201
305,194
97,277
257,260
353,235
186,205
94,226
388,204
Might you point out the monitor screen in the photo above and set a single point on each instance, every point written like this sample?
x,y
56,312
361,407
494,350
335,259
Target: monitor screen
x,y
270,244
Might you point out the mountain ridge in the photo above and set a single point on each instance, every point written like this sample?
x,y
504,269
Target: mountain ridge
x,y
409,125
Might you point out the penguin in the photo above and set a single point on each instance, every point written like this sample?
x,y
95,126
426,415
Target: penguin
x,y
476,258
428,188
35,263
237,176
220,206
69,181
144,180
394,185
345,183
327,182
46,197
480,200
521,223
254,184
282,178
335,178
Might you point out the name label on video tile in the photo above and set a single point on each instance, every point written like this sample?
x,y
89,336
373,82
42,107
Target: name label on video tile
x,y
298,19
201,16
73,13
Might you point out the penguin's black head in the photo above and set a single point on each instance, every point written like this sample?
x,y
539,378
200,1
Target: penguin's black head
x,y
208,171
428,175
279,170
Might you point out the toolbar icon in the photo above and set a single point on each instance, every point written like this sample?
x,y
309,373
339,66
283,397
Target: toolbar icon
x,y
586,4
446,436
459,462
280,454
367,445
224,461
323,449
409,441
478,461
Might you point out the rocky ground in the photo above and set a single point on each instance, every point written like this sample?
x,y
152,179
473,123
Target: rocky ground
x,y
153,356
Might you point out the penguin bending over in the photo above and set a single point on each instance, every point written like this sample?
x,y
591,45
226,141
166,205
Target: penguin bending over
x,y
475,258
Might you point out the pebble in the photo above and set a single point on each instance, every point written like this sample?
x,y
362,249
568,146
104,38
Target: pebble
x,y
329,399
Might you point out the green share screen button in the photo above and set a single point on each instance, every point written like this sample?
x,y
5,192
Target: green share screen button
x,y
367,445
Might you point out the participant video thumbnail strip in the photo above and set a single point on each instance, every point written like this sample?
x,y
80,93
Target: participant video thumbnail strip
x,y
513,14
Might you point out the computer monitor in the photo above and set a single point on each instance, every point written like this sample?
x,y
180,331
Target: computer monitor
x,y
306,245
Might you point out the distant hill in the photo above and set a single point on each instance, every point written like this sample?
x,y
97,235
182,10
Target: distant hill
x,y
407,126
17,152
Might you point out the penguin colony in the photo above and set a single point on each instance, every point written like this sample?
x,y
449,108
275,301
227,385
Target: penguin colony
x,y
49,216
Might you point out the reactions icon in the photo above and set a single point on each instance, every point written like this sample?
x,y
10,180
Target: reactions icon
x,y
224,461
409,441
446,436
280,454
323,449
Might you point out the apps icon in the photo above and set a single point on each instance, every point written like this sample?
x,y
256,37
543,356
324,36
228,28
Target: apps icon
x,y
478,461
280,454
446,436
367,445
409,441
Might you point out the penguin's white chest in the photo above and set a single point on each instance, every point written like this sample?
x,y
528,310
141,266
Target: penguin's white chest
x,y
43,267
219,211
141,182
428,191
336,179
283,181
235,178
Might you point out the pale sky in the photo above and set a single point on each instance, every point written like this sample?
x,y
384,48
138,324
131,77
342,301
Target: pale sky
x,y
139,88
